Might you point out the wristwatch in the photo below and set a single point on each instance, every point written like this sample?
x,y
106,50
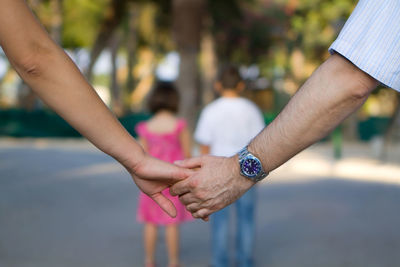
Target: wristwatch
x,y
250,166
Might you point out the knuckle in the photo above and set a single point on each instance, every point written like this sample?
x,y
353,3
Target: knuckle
x,y
199,195
208,203
204,213
190,208
193,184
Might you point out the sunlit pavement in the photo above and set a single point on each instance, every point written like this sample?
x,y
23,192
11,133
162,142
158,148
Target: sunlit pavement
x,y
63,203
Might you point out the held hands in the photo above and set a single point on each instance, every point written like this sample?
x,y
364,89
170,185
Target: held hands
x,y
214,186
152,176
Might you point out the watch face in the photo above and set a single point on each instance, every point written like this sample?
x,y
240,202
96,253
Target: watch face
x,y
251,167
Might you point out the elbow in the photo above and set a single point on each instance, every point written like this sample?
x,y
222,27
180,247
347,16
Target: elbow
x,y
34,61
29,67
357,84
362,85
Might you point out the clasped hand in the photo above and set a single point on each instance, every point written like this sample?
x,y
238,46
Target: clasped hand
x,y
204,184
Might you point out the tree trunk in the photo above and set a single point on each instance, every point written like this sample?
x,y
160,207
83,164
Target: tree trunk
x,y
34,4
351,127
131,49
392,130
2,78
56,20
116,101
115,14
209,68
187,30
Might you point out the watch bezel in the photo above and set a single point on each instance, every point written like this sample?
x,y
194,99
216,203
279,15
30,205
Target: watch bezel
x,y
250,157
243,155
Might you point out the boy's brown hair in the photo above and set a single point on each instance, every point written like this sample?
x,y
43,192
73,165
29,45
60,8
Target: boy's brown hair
x,y
229,77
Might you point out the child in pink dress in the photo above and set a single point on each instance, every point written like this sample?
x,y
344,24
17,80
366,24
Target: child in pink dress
x,y
165,137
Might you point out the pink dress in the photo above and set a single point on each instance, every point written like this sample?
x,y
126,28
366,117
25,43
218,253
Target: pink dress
x,y
167,147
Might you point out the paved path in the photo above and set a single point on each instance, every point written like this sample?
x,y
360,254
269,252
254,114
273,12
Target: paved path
x,y
62,203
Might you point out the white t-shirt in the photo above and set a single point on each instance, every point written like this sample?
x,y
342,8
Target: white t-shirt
x,y
228,124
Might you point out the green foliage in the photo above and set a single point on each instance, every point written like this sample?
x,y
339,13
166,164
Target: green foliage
x,y
246,31
82,19
153,27
242,34
315,24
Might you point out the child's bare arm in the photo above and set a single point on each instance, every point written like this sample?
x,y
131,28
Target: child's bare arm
x,y
186,142
204,149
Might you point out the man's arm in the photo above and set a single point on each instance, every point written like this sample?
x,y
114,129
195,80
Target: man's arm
x,y
57,81
334,91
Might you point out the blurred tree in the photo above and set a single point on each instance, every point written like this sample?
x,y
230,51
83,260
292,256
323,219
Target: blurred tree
x,y
131,46
142,24
81,22
114,14
56,7
116,94
392,132
188,16
241,31
316,23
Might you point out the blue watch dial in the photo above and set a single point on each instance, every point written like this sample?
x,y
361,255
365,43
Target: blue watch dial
x,y
251,167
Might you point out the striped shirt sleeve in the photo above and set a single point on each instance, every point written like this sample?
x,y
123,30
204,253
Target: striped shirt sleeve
x,y
370,39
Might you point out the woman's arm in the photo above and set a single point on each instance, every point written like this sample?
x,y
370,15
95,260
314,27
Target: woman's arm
x,y
143,143
52,75
58,82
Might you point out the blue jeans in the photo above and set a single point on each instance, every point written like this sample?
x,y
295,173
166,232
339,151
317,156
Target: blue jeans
x,y
244,232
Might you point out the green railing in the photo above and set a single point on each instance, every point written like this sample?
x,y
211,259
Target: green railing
x,y
45,123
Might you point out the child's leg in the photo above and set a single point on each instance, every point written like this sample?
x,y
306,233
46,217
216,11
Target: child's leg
x,y
172,238
150,240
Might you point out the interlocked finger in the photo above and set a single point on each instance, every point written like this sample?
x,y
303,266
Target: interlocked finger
x,y
201,214
188,198
194,207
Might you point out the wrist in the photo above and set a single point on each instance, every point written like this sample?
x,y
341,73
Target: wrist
x,y
132,157
260,154
244,182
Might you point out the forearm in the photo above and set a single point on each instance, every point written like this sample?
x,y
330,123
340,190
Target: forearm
x,y
186,142
334,91
58,82
204,150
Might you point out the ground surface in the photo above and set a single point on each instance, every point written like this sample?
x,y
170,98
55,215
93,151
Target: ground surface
x,y
63,203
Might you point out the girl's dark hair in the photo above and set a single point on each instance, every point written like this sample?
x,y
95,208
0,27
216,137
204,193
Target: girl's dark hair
x,y
164,97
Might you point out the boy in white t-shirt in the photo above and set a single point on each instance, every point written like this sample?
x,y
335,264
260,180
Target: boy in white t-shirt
x,y
225,126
